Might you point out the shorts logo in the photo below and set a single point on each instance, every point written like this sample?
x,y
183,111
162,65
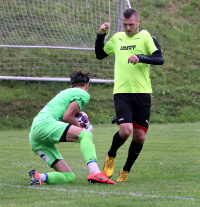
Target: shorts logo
x,y
147,121
128,47
43,156
121,119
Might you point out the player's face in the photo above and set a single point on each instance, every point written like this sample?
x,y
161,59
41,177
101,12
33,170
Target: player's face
x,y
131,25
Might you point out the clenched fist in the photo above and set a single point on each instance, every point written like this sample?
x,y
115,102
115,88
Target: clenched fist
x,y
104,28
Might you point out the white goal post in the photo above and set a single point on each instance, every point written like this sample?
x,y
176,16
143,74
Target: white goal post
x,y
47,39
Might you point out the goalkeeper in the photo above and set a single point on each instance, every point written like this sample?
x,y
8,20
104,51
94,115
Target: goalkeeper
x,y
134,51
56,123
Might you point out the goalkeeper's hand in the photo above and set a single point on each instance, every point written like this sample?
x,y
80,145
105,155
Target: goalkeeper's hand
x,y
89,129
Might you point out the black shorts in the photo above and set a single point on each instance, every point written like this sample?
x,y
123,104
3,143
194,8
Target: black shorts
x,y
133,108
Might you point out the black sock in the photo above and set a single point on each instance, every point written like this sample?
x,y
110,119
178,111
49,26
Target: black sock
x,y
116,144
133,153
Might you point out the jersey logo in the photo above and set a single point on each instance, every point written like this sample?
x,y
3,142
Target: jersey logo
x,y
120,39
128,47
82,102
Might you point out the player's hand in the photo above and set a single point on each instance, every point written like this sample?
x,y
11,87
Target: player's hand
x,y
133,59
104,28
89,129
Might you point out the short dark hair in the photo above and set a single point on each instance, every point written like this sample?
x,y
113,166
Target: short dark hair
x,y
79,78
129,12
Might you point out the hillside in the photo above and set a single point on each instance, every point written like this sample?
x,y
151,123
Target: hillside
x,y
176,88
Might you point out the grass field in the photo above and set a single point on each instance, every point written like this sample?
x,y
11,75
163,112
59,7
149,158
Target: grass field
x,y
165,174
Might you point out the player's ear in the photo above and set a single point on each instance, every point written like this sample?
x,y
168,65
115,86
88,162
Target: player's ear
x,y
87,86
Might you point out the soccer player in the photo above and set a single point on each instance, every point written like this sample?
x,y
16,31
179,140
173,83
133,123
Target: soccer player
x,y
56,123
134,51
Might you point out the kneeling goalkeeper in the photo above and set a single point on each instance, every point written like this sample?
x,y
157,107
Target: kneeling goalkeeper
x,y
56,123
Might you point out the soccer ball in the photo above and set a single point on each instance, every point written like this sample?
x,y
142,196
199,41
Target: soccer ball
x,y
83,119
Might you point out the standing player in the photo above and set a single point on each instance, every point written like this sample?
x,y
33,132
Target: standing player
x,y
134,51
56,123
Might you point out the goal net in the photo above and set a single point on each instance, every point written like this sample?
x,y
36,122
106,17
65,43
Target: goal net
x,y
48,39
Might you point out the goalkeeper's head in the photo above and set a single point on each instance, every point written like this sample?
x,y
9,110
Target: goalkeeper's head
x,y
79,79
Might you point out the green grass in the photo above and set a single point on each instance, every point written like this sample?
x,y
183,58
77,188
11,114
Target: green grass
x,y
165,174
167,171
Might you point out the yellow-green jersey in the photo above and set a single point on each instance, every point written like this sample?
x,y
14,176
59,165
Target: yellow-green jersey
x,y
131,78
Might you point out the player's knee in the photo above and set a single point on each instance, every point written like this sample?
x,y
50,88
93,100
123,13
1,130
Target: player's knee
x,y
85,135
125,132
139,137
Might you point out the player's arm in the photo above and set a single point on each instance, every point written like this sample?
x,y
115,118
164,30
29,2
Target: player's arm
x,y
155,58
69,115
99,43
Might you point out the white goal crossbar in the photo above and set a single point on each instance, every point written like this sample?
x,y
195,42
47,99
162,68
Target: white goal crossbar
x,y
51,79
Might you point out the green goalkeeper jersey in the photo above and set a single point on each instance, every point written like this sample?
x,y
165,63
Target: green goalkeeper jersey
x,y
59,104
130,78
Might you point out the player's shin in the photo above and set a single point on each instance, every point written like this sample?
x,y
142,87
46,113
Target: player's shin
x,y
88,151
133,153
60,178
